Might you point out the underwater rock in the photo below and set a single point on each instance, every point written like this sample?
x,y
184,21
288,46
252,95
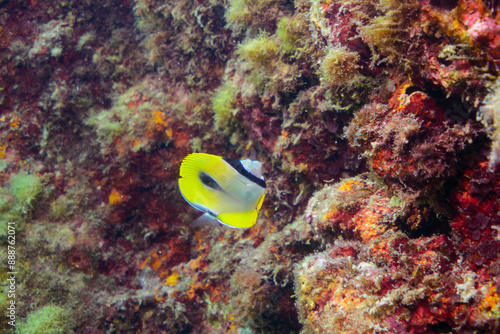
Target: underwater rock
x,y
362,208
393,284
413,140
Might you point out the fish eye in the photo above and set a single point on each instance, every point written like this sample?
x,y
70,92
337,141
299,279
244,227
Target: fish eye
x,y
209,181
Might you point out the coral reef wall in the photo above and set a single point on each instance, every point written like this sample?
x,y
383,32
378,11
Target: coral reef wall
x,y
377,123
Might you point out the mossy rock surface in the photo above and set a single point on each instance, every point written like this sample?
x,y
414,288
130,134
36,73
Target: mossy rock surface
x,y
25,188
50,319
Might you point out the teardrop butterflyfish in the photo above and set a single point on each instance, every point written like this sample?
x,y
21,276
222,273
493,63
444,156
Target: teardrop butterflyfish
x,y
226,190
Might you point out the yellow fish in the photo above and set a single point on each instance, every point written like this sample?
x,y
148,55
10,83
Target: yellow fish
x,y
228,191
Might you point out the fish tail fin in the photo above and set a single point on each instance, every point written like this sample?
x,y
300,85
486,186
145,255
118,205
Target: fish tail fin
x,y
238,219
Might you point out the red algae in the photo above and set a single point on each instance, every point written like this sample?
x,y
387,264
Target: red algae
x,y
412,139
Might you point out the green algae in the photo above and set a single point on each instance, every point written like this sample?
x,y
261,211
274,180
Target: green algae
x,y
18,199
107,126
4,301
25,188
250,13
261,50
224,104
339,67
9,212
289,31
50,319
130,116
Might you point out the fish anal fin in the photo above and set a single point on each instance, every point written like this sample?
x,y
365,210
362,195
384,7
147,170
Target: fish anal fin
x,y
205,220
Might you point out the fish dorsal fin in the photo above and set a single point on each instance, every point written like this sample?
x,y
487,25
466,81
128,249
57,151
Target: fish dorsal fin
x,y
253,167
242,168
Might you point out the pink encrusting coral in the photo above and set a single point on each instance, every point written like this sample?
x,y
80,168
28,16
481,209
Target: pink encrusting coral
x,y
376,122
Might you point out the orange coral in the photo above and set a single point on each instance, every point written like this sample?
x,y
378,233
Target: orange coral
x,y
15,122
373,221
349,184
491,302
173,279
115,197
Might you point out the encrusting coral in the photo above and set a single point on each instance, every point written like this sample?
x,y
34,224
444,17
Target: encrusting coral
x,y
393,284
376,276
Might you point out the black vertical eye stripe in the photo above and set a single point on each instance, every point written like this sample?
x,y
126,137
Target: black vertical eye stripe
x,y
209,181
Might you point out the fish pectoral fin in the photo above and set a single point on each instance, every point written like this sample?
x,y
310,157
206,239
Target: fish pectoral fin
x,y
205,220
238,219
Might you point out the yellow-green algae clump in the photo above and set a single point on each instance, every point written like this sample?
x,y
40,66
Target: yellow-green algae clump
x,y
338,67
18,199
223,103
25,188
50,319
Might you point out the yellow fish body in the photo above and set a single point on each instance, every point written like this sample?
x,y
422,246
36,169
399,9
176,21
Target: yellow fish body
x,y
228,191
